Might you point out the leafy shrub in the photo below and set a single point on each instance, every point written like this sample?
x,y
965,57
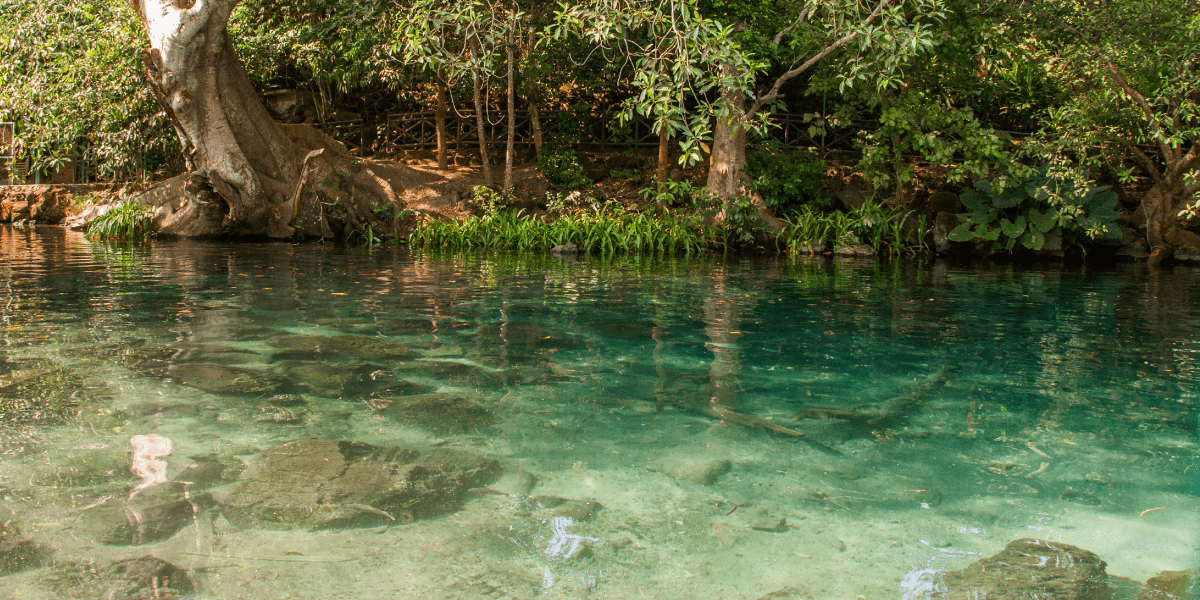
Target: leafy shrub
x,y
1042,207
784,180
562,168
126,221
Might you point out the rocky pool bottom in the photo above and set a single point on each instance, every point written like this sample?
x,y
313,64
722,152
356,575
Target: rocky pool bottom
x,y
269,421
314,518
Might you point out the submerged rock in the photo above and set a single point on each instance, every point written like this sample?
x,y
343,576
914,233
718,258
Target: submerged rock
x,y
698,469
1029,568
130,579
225,380
40,393
321,484
363,347
438,412
18,553
1171,585
157,512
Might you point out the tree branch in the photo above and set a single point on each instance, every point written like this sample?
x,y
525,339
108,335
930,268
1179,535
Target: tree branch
x,y
1146,161
1147,112
773,93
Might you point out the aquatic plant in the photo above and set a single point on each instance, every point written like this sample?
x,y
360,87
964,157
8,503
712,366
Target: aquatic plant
x,y
126,221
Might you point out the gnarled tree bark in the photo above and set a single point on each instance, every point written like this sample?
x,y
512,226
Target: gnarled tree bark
x,y
248,175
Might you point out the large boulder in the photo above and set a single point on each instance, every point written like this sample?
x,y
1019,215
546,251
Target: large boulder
x,y
323,484
1029,568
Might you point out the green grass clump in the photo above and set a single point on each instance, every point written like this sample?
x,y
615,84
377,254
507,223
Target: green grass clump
x,y
605,229
127,221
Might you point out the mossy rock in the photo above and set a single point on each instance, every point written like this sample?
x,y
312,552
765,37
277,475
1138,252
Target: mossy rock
x,y
224,380
41,393
361,347
341,380
101,468
134,578
18,553
438,412
148,361
322,484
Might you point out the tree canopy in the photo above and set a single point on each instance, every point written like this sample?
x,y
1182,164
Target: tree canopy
x,y
1091,93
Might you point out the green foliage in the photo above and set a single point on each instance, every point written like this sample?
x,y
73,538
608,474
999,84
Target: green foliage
x,y
873,224
561,167
71,80
126,221
1043,207
383,211
784,180
605,230
676,193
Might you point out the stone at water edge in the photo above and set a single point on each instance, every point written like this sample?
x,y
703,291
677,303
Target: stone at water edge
x,y
1029,568
323,484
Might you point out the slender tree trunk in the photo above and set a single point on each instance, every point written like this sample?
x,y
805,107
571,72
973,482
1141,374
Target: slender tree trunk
x,y
663,153
249,174
443,94
532,95
484,155
535,124
512,112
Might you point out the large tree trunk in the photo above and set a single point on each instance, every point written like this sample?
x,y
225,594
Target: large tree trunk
x,y
249,174
727,165
1162,204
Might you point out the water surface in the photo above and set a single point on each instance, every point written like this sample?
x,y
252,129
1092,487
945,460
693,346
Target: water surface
x,y
809,428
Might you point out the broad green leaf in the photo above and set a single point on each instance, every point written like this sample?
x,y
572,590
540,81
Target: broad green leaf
x,y
1043,221
971,199
984,186
1013,228
962,233
1033,239
1009,198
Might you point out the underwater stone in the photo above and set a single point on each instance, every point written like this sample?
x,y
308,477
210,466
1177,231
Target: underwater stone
x,y
323,484
1171,585
699,469
363,347
225,380
18,553
437,412
130,579
157,512
578,510
1029,568
515,482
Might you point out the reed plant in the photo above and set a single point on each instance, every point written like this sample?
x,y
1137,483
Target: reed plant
x,y
126,221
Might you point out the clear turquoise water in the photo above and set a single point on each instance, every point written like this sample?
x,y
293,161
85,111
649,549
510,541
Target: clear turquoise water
x,y
1049,402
